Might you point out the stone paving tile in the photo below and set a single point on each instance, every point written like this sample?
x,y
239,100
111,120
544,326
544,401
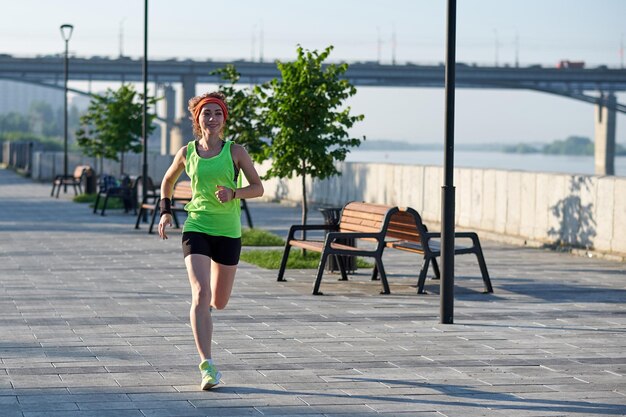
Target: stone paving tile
x,y
83,294
134,405
87,413
197,412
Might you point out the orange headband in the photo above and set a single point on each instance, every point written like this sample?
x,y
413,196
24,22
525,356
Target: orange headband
x,y
206,100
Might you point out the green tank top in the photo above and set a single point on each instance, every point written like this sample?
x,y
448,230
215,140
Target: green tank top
x,y
205,213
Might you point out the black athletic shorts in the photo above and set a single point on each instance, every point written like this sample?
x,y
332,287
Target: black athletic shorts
x,y
223,250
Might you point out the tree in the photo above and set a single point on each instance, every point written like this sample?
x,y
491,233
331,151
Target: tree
x,y
244,123
113,124
44,120
309,127
573,145
14,122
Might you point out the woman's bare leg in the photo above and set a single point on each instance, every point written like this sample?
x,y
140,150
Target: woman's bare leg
x,y
199,272
211,285
222,280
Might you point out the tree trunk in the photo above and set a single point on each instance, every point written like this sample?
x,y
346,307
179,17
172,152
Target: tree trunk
x,y
305,207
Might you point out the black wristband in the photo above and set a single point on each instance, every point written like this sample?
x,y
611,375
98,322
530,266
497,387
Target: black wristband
x,y
166,206
234,193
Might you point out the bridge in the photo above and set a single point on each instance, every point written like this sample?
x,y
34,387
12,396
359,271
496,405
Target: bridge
x,y
592,85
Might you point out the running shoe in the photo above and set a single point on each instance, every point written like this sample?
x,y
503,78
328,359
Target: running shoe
x,y
210,375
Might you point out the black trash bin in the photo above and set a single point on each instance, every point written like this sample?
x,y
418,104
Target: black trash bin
x,y
89,181
332,216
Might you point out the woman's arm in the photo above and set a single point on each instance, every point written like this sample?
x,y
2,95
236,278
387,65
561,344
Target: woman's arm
x,y
173,173
245,164
167,187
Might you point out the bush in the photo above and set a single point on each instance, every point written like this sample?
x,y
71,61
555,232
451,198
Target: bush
x,y
270,259
258,237
113,203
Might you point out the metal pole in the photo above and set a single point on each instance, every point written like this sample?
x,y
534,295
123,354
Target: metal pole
x,y
144,133
66,65
447,192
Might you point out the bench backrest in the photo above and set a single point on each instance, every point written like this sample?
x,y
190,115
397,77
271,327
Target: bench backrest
x,y
364,217
407,225
182,191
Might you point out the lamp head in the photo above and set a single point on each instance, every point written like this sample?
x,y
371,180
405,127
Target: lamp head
x,y
66,31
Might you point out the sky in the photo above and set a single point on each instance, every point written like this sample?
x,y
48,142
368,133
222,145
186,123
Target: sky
x,y
489,32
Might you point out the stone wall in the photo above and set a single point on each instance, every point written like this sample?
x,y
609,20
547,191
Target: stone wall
x,y
531,208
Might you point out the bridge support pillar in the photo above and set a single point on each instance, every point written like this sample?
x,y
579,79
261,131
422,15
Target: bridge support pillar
x,y
189,91
170,116
605,135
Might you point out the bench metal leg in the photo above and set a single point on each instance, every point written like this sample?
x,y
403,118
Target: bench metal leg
x,y
95,205
283,263
375,273
175,219
244,206
320,272
422,278
436,269
141,210
154,214
383,276
483,271
104,204
342,267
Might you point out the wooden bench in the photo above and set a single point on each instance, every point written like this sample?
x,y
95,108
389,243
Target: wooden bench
x,y
181,195
150,205
358,221
74,180
386,227
407,232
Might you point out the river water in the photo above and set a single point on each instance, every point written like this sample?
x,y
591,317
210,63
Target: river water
x,y
497,160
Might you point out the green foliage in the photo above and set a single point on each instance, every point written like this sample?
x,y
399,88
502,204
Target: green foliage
x,y
309,130
45,120
309,126
244,125
113,203
113,124
270,259
84,198
14,122
258,237
522,148
573,145
45,143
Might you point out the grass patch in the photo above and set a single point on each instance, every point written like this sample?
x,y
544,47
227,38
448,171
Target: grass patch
x,y
113,203
258,237
270,259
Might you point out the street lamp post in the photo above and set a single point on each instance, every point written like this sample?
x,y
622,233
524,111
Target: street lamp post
x,y
66,33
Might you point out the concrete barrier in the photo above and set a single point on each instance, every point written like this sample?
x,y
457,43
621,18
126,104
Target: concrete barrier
x,y
533,208
587,213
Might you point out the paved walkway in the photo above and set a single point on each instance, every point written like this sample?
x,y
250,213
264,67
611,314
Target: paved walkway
x,y
94,322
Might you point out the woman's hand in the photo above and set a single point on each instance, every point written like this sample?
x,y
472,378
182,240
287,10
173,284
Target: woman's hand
x,y
166,220
224,194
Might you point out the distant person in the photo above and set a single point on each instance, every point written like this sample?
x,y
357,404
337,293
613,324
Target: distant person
x,y
212,232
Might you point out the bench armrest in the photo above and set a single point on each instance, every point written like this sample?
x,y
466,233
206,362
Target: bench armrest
x,y
300,227
332,236
462,235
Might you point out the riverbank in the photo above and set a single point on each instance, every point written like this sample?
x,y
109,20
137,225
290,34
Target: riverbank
x,y
562,164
